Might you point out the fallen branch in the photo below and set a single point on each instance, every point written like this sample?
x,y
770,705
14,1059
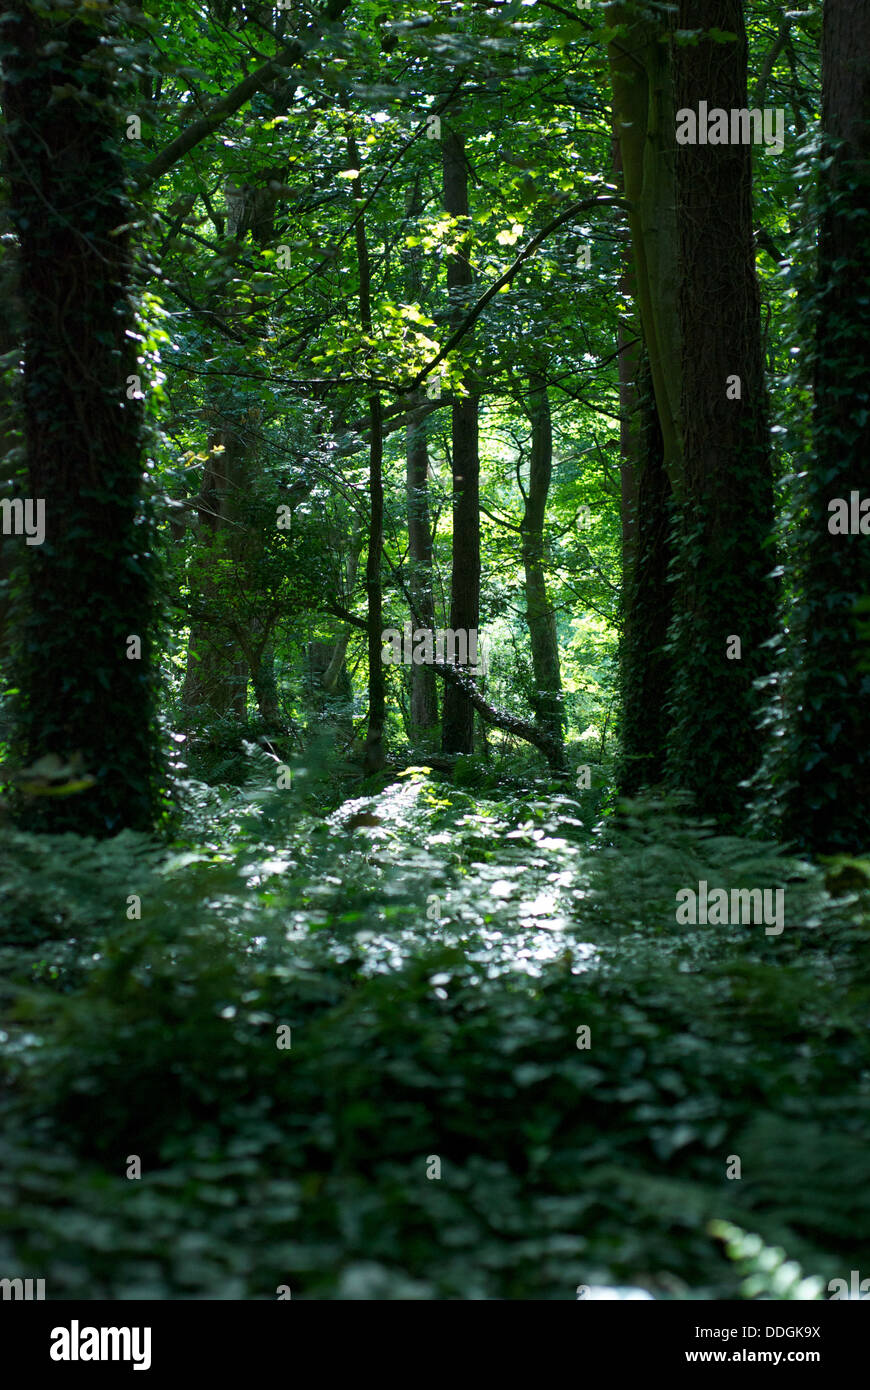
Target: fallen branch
x,y
499,718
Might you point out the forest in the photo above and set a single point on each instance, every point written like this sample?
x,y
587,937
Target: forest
x,y
435,650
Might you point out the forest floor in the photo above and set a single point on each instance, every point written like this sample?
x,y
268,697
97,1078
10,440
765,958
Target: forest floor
x,y
509,1072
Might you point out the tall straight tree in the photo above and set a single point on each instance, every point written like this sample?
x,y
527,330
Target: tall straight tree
x,y
643,125
651,430
827,803
86,669
547,702
457,727
726,598
424,693
375,755
645,666
216,676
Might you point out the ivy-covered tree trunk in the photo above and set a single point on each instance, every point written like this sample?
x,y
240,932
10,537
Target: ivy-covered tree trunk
x,y
726,599
547,701
86,685
650,380
828,796
645,488
12,553
643,124
457,724
628,365
265,687
645,665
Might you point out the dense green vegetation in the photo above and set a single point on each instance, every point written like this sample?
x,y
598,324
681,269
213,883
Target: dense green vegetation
x,y
363,978
434,970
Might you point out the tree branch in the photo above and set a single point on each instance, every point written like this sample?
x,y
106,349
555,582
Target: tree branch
x,y
293,55
505,279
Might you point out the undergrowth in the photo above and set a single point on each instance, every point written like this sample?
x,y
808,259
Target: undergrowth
x,y
433,951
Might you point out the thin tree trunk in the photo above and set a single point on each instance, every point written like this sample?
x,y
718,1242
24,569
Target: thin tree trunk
x,y
217,672
547,701
266,687
337,663
424,691
375,755
457,728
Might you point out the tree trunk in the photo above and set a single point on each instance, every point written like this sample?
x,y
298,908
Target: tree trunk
x,y
216,677
644,126
725,593
645,666
457,728
828,792
12,553
90,581
222,657
266,687
547,701
375,755
335,677
424,691
628,366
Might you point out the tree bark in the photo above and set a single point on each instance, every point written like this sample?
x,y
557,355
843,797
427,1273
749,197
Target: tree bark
x,y
827,802
724,587
265,687
547,701
628,364
216,676
335,676
424,691
457,727
90,582
12,553
644,125
375,754
645,665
